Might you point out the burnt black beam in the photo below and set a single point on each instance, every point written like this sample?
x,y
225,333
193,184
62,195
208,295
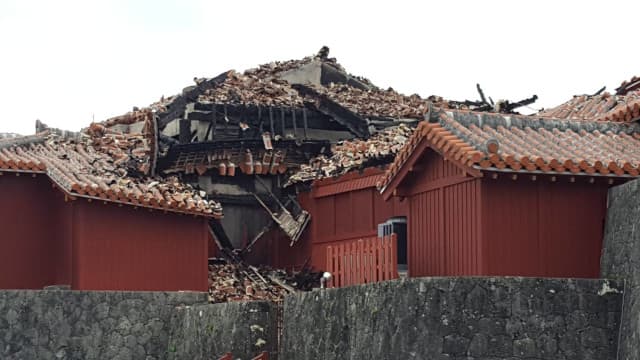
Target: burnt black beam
x,y
355,123
510,107
313,146
185,131
221,235
175,109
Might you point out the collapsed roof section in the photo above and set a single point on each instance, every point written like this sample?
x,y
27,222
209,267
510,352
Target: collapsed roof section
x,y
103,164
271,109
623,106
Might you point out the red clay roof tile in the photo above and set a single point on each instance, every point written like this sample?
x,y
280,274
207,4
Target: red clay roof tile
x,y
92,167
492,142
623,106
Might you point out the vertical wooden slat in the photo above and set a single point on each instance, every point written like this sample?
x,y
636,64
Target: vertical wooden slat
x,y
361,264
380,261
394,256
341,264
387,258
354,259
330,264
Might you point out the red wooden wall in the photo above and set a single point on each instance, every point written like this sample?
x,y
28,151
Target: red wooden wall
x,y
127,249
444,222
32,229
543,228
45,240
341,210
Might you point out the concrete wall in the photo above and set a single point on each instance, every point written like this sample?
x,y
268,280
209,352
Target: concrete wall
x,y
207,332
87,325
463,318
621,259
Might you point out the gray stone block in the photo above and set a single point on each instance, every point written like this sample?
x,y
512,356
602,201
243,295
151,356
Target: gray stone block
x,y
455,318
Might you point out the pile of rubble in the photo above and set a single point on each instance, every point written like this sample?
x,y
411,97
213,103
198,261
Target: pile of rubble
x,y
353,154
101,162
376,102
252,89
240,282
272,69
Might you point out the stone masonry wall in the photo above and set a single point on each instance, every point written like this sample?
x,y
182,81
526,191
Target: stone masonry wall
x,y
87,325
205,332
621,260
463,318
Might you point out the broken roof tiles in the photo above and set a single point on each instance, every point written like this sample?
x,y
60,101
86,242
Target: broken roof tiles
x,y
252,89
348,155
375,102
624,106
104,165
494,142
241,282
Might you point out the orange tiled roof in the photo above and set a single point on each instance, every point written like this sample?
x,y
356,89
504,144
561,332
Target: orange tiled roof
x,y
623,106
104,165
495,142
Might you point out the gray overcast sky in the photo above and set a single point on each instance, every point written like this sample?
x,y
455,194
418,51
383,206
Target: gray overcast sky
x,y
65,62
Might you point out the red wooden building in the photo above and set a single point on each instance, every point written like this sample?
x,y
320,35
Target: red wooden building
x,y
69,215
483,194
492,194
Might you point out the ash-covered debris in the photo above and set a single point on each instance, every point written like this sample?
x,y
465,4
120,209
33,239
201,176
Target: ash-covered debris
x,y
235,281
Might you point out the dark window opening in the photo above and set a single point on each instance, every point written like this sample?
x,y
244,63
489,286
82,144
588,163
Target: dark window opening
x,y
398,226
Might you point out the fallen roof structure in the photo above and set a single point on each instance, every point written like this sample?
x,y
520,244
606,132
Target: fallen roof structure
x,y
288,122
105,165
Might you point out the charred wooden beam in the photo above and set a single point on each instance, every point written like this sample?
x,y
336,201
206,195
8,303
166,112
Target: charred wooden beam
x,y
185,131
509,107
482,98
602,89
176,108
216,227
322,103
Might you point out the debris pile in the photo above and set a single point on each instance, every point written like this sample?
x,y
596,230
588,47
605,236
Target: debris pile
x,y
252,89
352,154
376,102
103,163
274,68
623,106
603,107
240,282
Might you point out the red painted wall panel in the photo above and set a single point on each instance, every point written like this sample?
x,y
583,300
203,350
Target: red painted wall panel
x,y
543,228
334,218
343,213
126,249
444,222
443,231
31,219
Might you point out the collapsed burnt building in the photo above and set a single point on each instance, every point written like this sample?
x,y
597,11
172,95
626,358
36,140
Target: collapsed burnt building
x,y
253,140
